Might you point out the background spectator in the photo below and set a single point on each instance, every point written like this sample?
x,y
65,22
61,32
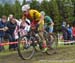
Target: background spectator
x,y
69,28
2,30
64,31
10,17
11,27
73,32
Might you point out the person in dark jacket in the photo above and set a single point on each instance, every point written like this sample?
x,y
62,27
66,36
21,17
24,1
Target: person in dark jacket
x,y
69,28
64,31
2,30
10,32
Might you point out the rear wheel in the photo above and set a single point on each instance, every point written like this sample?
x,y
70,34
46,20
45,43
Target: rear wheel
x,y
25,50
52,44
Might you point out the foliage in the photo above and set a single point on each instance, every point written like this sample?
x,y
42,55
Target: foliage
x,y
56,9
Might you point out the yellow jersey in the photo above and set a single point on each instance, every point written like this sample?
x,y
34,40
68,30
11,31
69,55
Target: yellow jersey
x,y
34,15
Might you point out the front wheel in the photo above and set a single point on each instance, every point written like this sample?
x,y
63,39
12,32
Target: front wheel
x,y
25,50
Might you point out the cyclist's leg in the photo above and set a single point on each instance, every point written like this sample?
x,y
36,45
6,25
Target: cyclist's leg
x,y
46,27
41,33
44,45
51,31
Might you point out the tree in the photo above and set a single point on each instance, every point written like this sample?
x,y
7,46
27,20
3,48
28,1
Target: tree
x,y
61,8
6,9
24,2
68,9
17,9
35,5
1,10
73,2
56,14
45,6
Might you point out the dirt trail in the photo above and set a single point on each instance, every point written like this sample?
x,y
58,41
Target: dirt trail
x,y
62,54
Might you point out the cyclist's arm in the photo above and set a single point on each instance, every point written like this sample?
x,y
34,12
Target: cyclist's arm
x,y
52,23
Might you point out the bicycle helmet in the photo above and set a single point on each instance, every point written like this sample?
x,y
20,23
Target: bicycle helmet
x,y
42,13
25,7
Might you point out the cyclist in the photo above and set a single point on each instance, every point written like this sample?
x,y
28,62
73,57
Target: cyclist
x,y
49,24
36,18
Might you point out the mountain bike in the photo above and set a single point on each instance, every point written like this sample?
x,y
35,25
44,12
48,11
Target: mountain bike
x,y
27,44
